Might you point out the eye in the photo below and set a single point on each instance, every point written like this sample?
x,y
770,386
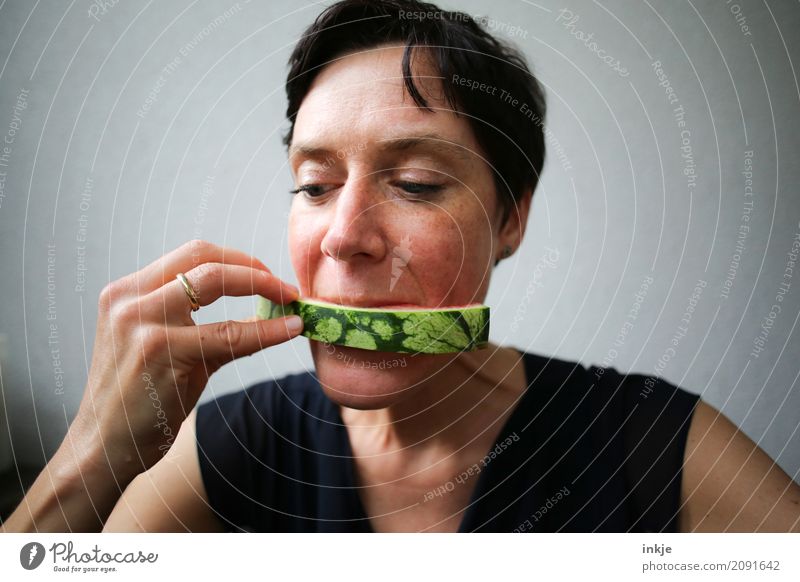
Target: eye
x,y
418,188
311,190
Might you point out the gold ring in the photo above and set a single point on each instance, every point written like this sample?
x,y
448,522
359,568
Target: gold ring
x,y
190,292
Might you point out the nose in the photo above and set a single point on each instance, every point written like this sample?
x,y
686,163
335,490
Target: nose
x,y
355,227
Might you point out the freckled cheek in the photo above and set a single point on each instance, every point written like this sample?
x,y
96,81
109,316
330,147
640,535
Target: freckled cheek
x,y
451,260
304,249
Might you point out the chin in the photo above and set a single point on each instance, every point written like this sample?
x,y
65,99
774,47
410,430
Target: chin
x,y
369,379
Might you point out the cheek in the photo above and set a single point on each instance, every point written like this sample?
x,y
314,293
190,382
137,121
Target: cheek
x,y
454,245
301,247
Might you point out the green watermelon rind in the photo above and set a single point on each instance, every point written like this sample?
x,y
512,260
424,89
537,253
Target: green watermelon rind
x,y
418,331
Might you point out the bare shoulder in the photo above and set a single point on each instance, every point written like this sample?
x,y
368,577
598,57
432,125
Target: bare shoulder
x,y
731,485
170,497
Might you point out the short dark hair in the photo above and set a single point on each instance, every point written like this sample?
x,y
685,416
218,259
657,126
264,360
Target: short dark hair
x,y
511,136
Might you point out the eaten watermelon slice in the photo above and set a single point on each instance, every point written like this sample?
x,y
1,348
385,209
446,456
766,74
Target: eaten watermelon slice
x,y
410,330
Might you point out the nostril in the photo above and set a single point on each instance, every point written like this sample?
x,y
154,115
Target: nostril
x,y
354,243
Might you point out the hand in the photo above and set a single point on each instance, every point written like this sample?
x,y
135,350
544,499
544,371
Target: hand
x,y
151,362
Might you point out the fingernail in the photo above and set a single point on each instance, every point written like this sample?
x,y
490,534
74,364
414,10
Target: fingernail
x,y
294,323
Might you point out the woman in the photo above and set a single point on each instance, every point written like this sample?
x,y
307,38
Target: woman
x,y
428,149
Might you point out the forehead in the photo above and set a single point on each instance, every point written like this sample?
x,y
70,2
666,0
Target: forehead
x,y
362,98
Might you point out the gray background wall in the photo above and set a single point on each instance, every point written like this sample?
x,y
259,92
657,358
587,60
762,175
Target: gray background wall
x,y
97,184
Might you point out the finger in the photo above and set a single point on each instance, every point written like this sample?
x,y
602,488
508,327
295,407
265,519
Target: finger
x,y
213,280
188,256
228,340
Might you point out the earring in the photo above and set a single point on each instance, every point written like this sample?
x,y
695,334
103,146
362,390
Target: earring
x,y
507,250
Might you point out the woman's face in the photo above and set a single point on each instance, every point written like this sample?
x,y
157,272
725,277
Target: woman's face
x,y
398,208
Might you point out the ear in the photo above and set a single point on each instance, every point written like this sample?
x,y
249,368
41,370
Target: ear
x,y
512,232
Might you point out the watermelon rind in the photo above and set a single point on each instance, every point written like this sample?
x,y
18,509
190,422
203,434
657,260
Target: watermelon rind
x,y
414,331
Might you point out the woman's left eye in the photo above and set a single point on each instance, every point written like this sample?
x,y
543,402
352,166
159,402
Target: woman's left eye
x,y
419,187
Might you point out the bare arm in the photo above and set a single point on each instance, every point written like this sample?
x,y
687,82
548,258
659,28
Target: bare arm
x,y
170,497
150,364
730,484
75,492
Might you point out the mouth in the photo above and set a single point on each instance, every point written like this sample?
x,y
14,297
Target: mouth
x,y
387,305
368,303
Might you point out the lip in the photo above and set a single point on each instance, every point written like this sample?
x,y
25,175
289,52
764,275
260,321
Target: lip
x,y
373,303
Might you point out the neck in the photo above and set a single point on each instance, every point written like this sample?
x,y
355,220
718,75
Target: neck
x,y
476,389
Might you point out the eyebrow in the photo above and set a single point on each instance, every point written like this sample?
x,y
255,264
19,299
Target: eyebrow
x,y
428,141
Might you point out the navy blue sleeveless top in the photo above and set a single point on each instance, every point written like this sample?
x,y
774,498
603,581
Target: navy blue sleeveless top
x,y
584,450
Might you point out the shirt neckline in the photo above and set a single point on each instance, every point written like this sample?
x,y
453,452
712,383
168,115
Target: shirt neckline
x,y
484,477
